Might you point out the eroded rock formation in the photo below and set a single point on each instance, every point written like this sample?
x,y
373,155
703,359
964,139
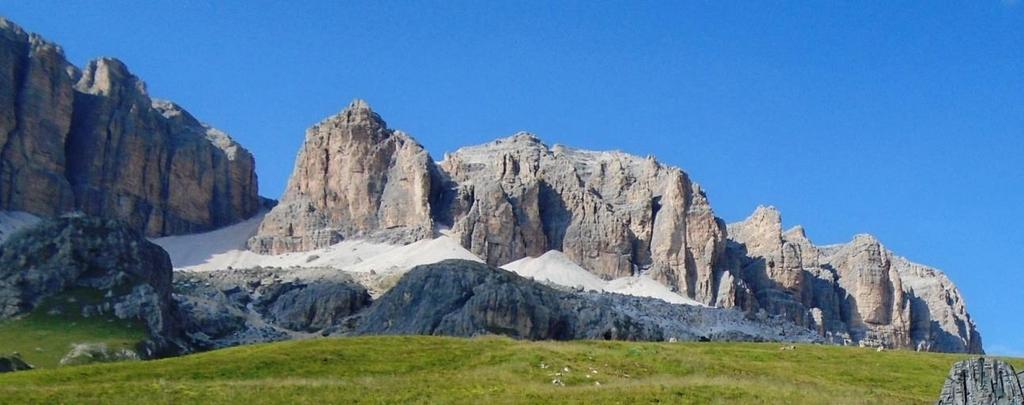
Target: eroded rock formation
x,y
103,267
94,141
858,292
465,298
354,177
981,381
613,214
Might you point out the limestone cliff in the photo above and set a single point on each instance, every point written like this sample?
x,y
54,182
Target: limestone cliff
x,y
612,213
354,177
94,141
857,292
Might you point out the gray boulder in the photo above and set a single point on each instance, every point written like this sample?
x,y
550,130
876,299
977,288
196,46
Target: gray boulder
x,y
311,306
13,363
88,353
241,306
123,274
982,381
465,298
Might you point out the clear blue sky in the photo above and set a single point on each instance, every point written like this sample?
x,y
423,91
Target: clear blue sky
x,y
900,119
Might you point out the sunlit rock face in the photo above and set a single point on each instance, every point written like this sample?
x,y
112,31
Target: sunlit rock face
x,y
93,140
612,213
354,177
856,293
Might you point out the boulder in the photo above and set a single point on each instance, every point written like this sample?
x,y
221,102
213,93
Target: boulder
x,y
12,363
981,381
88,353
241,306
130,275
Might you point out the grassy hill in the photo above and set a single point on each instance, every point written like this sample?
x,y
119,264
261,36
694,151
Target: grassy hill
x,y
498,370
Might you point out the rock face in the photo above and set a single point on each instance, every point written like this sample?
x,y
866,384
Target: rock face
x,y
354,177
232,307
132,275
858,292
465,298
94,141
612,213
981,381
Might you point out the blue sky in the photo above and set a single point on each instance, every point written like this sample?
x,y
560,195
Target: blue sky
x,y
900,119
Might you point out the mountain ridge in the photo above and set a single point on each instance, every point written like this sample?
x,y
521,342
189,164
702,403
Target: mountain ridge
x,y
617,215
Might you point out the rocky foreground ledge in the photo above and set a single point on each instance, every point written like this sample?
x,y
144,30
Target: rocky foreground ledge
x,y
982,381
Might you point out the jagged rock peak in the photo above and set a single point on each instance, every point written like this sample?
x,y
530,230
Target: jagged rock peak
x,y
13,32
796,233
110,77
613,213
354,177
358,112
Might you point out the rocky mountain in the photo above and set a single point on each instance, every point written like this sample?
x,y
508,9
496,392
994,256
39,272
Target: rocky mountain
x,y
855,292
354,177
93,140
613,214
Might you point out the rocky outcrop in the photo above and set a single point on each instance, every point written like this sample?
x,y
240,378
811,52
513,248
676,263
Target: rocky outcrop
x,y
240,306
465,298
612,213
122,274
858,292
354,177
89,353
13,363
981,382
95,142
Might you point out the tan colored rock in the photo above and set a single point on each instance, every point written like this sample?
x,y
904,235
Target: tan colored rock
x,y
94,141
613,214
858,292
354,177
36,98
878,303
151,163
939,317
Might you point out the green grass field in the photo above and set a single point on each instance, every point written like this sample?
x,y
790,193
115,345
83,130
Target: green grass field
x,y
46,335
498,370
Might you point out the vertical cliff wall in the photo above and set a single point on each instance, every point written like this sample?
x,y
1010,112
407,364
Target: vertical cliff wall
x,y
93,140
